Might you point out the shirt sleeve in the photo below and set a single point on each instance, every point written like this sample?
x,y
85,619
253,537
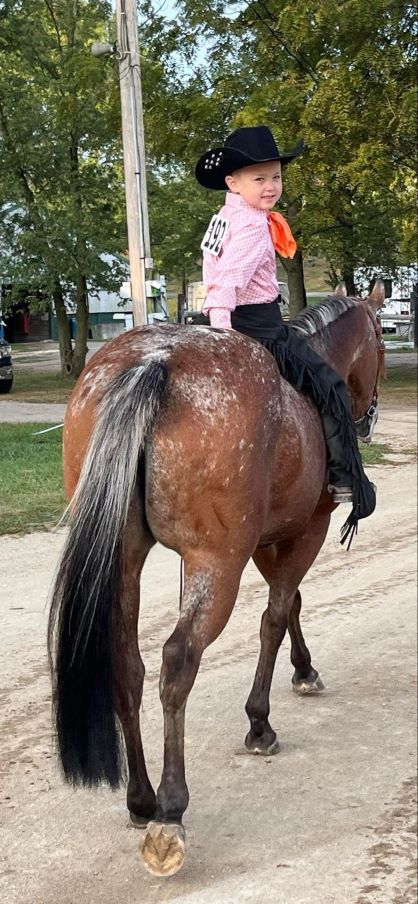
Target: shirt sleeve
x,y
233,270
220,317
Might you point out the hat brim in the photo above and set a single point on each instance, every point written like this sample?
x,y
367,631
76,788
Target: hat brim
x,y
214,165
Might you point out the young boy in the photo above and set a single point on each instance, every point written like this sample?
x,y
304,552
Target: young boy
x,y
239,272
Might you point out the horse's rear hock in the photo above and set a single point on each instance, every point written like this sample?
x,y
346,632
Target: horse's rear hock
x,y
210,592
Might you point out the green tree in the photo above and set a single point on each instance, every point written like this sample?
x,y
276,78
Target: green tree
x,y
60,184
179,215
341,76
361,113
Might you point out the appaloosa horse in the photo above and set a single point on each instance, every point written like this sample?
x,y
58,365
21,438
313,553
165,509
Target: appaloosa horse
x,y
188,436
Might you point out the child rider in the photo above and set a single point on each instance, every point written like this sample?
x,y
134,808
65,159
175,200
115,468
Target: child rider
x,y
239,272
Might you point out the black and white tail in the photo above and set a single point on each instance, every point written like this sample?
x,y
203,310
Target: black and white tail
x,y
88,583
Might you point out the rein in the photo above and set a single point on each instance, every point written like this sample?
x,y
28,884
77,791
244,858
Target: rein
x,y
365,423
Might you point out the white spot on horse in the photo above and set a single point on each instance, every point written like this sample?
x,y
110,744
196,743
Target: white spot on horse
x,y
215,334
210,395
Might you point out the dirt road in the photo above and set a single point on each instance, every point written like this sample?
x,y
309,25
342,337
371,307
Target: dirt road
x,y
327,821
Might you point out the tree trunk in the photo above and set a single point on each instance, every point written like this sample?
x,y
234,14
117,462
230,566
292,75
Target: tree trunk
x,y
296,283
184,285
82,315
64,334
348,278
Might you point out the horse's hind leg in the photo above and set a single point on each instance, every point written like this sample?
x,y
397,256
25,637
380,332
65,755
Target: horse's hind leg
x,y
129,671
262,738
306,679
283,567
210,592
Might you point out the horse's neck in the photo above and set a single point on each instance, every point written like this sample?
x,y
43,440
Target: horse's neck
x,y
339,342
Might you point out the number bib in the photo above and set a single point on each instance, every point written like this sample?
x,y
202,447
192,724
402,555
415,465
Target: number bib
x,y
214,235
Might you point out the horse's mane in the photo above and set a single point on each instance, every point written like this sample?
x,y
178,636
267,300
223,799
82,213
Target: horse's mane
x,y
314,319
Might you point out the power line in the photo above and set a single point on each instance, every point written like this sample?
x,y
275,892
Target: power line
x,y
295,55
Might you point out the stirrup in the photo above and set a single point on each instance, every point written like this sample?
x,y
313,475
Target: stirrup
x,y
341,494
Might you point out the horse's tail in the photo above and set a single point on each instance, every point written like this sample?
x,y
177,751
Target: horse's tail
x,y
89,579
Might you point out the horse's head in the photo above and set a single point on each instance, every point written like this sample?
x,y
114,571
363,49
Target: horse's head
x,y
368,366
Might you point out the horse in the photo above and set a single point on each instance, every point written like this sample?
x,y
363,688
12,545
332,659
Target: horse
x,y
188,436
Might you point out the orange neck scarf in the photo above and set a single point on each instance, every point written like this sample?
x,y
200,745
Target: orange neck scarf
x,y
281,235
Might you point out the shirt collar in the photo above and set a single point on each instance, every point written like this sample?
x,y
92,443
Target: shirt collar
x,y
235,201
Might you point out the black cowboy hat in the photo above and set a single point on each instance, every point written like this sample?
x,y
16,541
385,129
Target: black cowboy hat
x,y
244,147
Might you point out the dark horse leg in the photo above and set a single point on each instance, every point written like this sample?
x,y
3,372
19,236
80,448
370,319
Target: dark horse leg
x,y
129,671
283,566
210,591
262,738
306,679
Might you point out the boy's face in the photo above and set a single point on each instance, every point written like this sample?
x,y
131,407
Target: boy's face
x,y
259,185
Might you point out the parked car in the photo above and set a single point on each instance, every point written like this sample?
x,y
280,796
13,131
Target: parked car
x,y
6,367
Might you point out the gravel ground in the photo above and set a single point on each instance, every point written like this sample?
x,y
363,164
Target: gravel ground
x,y
31,412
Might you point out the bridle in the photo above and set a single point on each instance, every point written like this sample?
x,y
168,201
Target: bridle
x,y
365,425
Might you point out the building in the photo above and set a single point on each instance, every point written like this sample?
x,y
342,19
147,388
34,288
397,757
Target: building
x,y
110,313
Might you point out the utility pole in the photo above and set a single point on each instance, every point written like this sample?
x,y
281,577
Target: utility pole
x,y
134,155
414,312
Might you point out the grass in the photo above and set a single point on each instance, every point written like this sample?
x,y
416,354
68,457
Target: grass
x,y
32,493
401,348
315,275
400,387
374,453
315,299
39,386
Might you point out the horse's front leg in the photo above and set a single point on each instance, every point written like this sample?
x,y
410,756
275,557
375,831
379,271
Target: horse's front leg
x,y
210,591
306,679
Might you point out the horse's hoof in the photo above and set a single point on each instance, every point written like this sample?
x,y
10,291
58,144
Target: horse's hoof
x,y
311,685
139,822
255,745
163,848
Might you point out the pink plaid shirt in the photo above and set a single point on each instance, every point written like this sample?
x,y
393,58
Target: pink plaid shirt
x,y
245,270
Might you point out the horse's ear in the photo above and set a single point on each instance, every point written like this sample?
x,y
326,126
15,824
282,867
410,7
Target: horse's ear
x,y
341,289
377,297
